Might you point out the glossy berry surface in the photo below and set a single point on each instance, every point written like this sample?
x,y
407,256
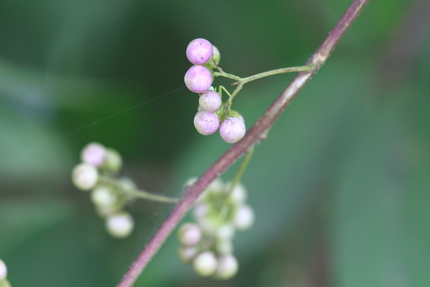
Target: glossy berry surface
x,y
199,51
232,129
198,79
210,101
206,123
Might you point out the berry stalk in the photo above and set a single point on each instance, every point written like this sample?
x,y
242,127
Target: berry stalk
x,y
255,134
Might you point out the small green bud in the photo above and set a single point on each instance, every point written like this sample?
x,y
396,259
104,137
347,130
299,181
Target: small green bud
x,y
113,160
216,56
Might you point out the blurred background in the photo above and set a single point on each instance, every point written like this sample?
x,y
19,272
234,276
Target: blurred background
x,y
340,188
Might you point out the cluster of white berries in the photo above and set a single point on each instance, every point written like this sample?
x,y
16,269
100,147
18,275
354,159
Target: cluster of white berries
x,y
207,244
3,274
211,113
97,173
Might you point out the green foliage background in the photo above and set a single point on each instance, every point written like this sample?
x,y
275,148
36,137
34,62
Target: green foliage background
x,y
340,187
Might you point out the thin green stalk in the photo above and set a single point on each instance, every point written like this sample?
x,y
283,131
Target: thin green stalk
x,y
236,180
139,193
151,196
242,81
241,170
275,72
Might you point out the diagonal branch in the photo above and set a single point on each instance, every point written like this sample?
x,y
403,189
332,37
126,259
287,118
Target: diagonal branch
x,y
254,135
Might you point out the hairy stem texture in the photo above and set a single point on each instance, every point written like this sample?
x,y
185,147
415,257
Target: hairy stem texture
x,y
254,135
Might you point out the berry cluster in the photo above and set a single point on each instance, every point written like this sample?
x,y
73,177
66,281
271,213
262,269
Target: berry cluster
x,y
3,274
97,173
207,244
212,113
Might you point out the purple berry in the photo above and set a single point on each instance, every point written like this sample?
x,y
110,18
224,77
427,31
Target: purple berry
x,y
232,129
94,154
210,101
206,122
199,51
198,79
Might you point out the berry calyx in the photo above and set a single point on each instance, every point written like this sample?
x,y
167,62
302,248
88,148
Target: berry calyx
x,y
198,79
232,129
206,123
199,51
210,101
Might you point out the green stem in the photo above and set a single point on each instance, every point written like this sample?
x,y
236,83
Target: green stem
x,y
236,180
138,193
241,170
151,196
245,80
241,81
275,72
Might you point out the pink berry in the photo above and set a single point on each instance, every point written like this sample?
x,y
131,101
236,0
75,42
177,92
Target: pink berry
x,y
210,101
198,79
199,51
206,123
94,154
232,129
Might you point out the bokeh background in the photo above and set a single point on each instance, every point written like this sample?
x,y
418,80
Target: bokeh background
x,y
341,187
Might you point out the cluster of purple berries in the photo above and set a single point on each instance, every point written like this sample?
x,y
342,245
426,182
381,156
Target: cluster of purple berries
x,y
198,79
207,244
97,173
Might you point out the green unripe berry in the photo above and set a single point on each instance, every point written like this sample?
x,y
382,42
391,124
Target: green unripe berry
x,y
205,264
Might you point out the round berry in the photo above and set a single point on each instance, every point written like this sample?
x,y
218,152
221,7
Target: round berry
x,y
232,129
3,270
113,160
190,234
244,217
227,267
239,194
94,154
198,79
103,197
120,225
206,123
210,101
199,51
205,263
85,176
